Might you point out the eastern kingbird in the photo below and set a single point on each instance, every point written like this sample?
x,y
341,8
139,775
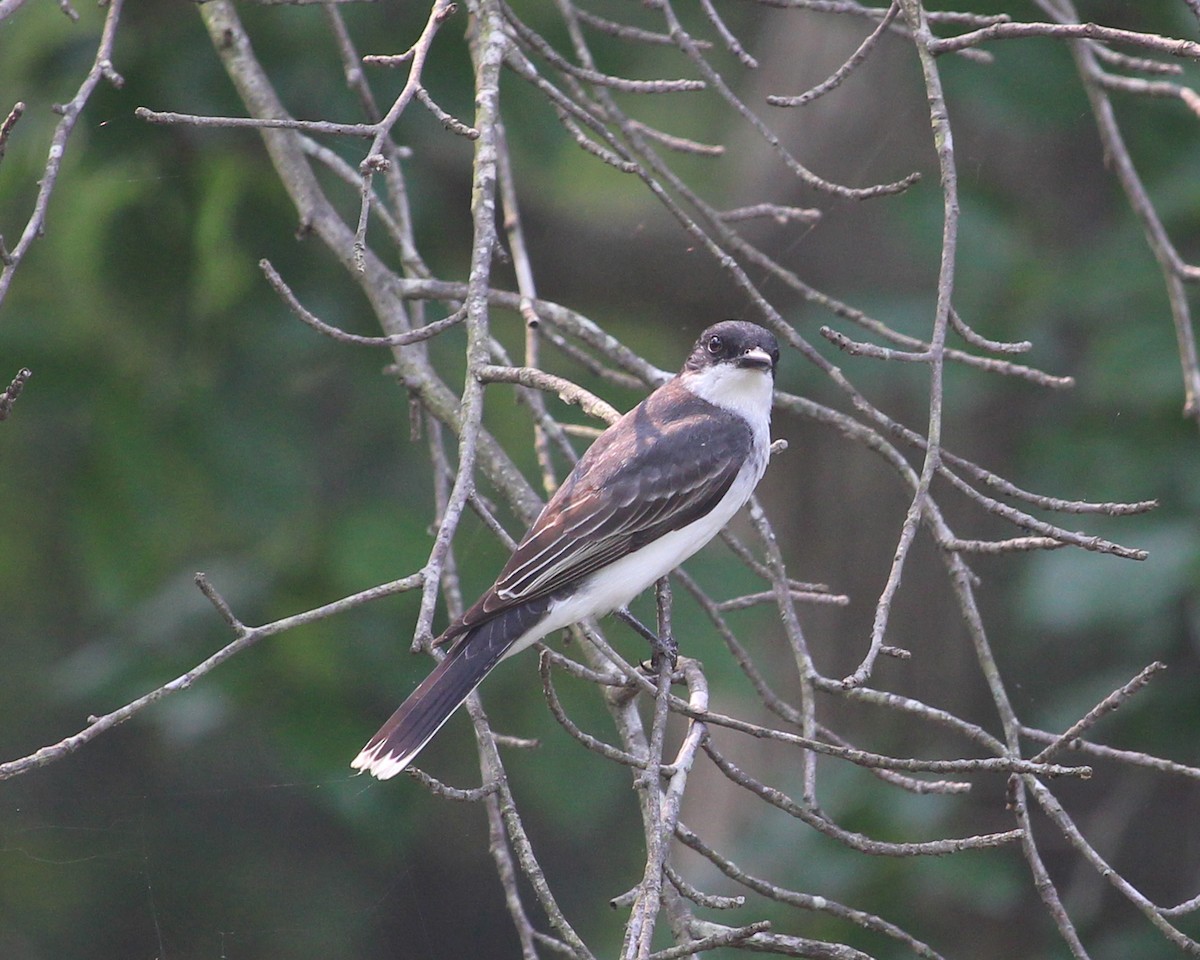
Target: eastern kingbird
x,y
653,489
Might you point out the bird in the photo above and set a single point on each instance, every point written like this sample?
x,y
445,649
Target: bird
x,y
653,488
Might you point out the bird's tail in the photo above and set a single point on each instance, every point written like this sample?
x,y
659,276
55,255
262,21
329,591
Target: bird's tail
x,y
427,708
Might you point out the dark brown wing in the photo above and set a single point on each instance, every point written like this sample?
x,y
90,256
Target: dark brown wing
x,y
667,462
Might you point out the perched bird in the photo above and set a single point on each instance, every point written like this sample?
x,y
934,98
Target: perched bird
x,y
653,489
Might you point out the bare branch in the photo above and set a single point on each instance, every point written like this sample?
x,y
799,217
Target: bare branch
x,y
1104,707
835,79
782,895
395,340
1087,31
167,118
101,69
1175,271
567,391
6,126
8,396
245,637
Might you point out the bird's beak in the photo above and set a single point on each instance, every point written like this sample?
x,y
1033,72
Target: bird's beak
x,y
755,358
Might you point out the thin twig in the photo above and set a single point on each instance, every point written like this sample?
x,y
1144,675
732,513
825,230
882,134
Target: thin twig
x,y
10,121
8,396
944,142
567,391
395,340
1104,707
167,118
1084,31
838,76
101,69
245,637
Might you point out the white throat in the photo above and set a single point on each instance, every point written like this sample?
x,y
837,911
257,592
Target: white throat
x,y
742,390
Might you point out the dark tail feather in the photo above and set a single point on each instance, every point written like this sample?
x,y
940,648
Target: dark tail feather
x,y
442,692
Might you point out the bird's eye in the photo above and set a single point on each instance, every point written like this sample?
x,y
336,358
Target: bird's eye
x,y
714,345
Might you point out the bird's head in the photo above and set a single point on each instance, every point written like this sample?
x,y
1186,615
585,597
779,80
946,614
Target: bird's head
x,y
733,366
735,343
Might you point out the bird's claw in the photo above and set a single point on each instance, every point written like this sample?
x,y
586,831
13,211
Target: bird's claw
x,y
661,647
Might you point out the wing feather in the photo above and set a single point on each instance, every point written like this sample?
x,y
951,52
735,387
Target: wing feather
x,y
663,465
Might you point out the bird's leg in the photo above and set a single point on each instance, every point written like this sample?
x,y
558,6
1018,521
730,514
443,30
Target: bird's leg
x,y
666,647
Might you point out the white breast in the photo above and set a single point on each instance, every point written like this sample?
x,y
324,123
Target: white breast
x,y
746,392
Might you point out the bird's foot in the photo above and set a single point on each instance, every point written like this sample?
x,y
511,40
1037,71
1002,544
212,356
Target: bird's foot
x,y
659,646
663,648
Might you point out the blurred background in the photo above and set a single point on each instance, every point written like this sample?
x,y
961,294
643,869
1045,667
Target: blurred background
x,y
179,419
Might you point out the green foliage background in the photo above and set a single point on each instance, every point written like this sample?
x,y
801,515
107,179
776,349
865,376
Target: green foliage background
x,y
179,420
